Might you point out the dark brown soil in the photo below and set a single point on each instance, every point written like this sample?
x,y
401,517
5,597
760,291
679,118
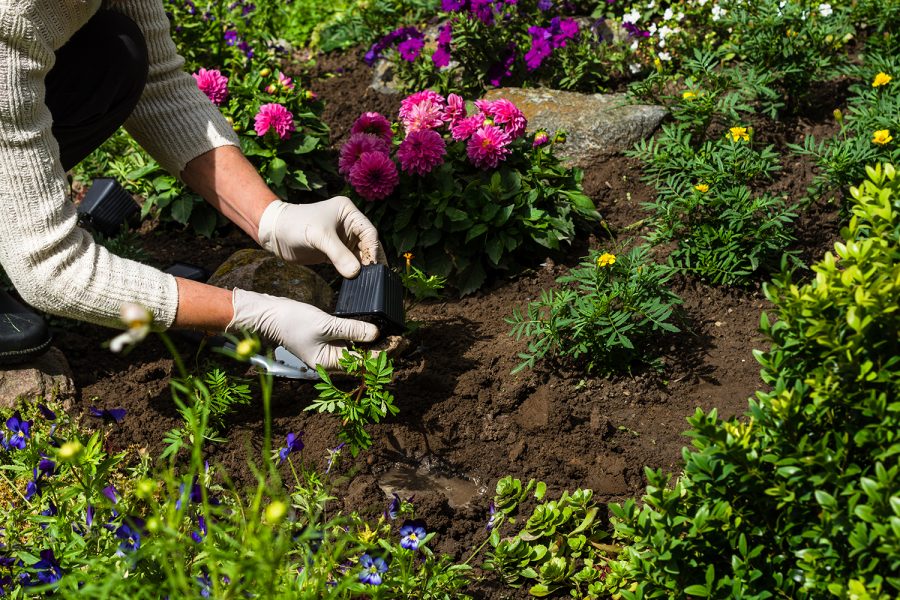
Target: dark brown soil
x,y
462,414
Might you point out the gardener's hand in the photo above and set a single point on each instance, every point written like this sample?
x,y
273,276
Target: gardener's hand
x,y
311,233
313,335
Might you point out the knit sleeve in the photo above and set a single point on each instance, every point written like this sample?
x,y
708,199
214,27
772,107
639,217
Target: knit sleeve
x,y
174,121
54,264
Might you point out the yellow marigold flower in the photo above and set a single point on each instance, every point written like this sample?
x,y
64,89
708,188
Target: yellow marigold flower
x,y
606,259
881,79
408,256
702,188
689,95
881,137
739,133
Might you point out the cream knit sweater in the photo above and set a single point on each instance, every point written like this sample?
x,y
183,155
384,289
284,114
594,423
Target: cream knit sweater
x,y
54,264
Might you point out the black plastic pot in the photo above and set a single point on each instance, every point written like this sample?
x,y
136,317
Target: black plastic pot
x,y
107,207
375,296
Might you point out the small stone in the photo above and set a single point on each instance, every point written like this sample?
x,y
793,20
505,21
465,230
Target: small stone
x,y
48,376
719,323
260,271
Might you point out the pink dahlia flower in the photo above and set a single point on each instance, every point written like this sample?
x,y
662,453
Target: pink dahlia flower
x,y
456,109
421,151
504,112
275,117
540,138
425,96
285,82
488,146
213,84
358,144
375,124
374,176
464,128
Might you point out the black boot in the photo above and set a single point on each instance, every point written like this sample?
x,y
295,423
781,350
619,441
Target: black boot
x,y
23,334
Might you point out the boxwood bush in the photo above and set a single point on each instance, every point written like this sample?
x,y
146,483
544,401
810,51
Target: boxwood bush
x,y
800,498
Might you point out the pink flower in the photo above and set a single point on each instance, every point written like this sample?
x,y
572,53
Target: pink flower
x,y
504,112
488,146
425,115
358,144
425,96
421,151
540,139
213,84
465,127
271,89
374,176
274,116
375,124
456,109
284,81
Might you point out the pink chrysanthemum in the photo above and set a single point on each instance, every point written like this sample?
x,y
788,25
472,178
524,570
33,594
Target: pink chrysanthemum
x,y
373,123
374,176
487,147
505,113
456,109
276,117
425,96
358,144
421,151
213,84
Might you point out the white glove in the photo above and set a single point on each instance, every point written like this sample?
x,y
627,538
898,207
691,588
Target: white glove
x,y
313,335
311,233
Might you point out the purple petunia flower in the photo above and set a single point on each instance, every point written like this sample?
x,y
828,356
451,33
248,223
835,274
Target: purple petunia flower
x,y
294,443
411,534
441,56
421,151
409,49
111,415
452,5
231,37
20,431
372,569
503,68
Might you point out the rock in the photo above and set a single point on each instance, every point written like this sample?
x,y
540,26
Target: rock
x,y
48,375
596,125
260,271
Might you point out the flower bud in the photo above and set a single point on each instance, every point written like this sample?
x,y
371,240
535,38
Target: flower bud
x,y
135,315
265,72
838,116
275,512
153,524
246,348
69,451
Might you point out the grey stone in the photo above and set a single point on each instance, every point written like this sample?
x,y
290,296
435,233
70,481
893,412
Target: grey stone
x,y
48,376
259,271
596,125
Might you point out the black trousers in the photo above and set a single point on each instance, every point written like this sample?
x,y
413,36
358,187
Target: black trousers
x,y
96,82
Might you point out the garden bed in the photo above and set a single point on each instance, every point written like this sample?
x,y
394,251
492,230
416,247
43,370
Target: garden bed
x,y
464,420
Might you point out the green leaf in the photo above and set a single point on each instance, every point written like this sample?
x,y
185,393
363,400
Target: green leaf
x,y
182,208
277,170
475,231
697,590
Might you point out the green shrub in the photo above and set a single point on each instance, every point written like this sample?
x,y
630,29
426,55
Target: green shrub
x,y
607,313
801,497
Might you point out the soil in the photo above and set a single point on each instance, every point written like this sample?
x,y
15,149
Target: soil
x,y
463,416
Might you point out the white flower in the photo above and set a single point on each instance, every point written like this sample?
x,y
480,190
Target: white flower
x,y
634,46
632,17
635,68
652,29
665,56
825,10
702,2
138,319
718,12
651,4
679,16
667,16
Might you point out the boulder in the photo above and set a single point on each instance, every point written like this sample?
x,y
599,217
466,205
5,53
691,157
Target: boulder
x,y
596,125
48,376
260,271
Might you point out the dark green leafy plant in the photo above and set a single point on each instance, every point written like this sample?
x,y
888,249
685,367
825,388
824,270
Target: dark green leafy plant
x,y
361,21
369,402
558,549
607,313
725,233
800,498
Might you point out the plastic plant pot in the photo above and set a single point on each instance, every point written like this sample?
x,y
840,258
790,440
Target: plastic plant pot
x,y
107,207
375,296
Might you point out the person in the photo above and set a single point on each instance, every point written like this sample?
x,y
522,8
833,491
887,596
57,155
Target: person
x,y
72,72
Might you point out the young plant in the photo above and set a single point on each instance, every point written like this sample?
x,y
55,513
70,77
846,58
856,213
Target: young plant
x,y
560,547
607,313
420,285
725,233
473,195
368,402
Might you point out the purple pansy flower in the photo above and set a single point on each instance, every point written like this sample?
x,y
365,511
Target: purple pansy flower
x,y
109,415
20,430
372,569
294,443
411,534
